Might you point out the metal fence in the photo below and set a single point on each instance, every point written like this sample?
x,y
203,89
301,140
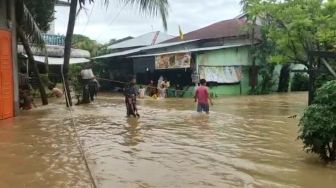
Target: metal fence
x,y
54,39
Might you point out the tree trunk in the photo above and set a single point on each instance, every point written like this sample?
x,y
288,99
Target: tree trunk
x,y
30,55
312,79
67,49
254,83
284,78
311,87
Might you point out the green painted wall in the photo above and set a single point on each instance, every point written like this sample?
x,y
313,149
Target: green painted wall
x,y
224,57
229,56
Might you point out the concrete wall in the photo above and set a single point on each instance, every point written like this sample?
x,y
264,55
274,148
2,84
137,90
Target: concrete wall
x,y
7,21
3,14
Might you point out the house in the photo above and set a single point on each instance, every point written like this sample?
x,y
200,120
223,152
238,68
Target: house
x,y
220,53
8,67
121,67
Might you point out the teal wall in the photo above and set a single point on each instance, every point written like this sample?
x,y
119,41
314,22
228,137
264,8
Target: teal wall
x,y
229,56
225,57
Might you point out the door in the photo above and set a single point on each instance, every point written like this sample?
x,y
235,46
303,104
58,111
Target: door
x,y
6,76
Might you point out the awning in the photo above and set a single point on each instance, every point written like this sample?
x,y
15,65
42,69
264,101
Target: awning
x,y
59,61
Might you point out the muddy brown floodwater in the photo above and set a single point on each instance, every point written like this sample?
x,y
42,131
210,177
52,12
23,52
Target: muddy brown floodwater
x,y
247,141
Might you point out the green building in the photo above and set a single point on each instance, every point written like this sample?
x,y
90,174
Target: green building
x,y
219,53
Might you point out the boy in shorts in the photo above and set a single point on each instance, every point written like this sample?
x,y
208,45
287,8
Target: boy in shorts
x,y
202,97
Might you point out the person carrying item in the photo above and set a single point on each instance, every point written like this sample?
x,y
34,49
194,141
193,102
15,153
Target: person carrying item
x,y
87,76
131,93
202,97
93,88
151,89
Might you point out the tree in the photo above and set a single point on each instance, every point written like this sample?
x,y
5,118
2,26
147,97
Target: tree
x,y
318,124
295,28
152,7
42,12
27,29
85,43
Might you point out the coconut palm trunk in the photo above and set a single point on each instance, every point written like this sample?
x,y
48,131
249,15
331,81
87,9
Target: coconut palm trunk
x,y
67,49
31,60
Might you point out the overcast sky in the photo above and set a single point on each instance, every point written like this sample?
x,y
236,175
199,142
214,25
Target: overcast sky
x,y
118,21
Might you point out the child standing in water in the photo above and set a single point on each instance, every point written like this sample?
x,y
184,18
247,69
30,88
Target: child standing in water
x,y
202,97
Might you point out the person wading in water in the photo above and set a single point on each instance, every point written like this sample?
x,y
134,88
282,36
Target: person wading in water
x,y
202,97
131,92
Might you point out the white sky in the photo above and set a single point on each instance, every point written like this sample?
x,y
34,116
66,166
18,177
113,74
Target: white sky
x,y
117,21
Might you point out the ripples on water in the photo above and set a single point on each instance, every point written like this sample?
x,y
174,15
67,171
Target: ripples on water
x,y
245,142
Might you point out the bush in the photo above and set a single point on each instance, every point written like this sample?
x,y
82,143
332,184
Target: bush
x,y
300,82
318,124
322,79
266,84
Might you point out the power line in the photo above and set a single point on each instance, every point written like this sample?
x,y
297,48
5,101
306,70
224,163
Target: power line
x,y
79,145
113,20
89,17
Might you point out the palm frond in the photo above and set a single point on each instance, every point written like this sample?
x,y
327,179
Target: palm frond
x,y
31,29
151,7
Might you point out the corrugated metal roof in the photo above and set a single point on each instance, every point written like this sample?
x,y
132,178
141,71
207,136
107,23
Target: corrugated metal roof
x,y
56,51
194,50
59,61
227,28
123,53
143,40
137,50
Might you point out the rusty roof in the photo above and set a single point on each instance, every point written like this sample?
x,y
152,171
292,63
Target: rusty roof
x,y
228,28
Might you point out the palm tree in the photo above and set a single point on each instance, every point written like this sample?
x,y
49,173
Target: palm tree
x,y
152,7
27,29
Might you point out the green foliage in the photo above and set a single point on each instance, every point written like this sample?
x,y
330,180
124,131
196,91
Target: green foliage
x,y
267,82
28,25
322,79
85,43
318,125
295,27
74,75
300,82
326,95
42,12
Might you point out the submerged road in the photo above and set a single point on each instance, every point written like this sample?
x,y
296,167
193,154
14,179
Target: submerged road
x,y
246,141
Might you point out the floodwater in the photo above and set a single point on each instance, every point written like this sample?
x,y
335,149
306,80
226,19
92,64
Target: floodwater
x,y
246,141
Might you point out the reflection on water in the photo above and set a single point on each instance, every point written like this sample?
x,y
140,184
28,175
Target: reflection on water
x,y
246,141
